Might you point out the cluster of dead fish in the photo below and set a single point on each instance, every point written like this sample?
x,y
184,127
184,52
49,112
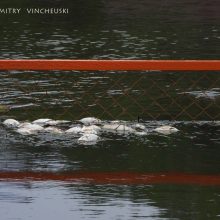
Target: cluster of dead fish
x,y
88,129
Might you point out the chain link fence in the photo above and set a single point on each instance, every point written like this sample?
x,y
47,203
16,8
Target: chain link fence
x,y
112,95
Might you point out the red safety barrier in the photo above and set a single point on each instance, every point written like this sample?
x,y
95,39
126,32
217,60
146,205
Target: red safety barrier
x,y
114,177
105,65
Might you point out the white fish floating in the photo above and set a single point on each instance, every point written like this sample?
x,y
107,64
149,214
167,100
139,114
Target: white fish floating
x,y
166,129
11,123
42,121
92,129
53,130
115,122
25,131
117,127
56,122
88,138
28,128
47,121
90,121
24,124
139,127
89,131
31,126
74,130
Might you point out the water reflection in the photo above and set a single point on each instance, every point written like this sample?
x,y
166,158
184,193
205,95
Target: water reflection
x,y
56,200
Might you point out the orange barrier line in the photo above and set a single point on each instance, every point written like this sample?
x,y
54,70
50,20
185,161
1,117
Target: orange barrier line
x,y
114,177
105,65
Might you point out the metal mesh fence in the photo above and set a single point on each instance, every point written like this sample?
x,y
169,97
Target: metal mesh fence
x,y
111,95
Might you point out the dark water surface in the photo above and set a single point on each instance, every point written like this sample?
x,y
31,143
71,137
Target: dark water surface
x,y
101,29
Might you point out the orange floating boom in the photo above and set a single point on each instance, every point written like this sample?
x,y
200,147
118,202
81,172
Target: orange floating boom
x,y
105,65
113,177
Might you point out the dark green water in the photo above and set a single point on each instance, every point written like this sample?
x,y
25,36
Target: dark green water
x,y
101,29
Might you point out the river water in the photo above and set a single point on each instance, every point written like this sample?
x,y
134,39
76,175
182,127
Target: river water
x,y
101,29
